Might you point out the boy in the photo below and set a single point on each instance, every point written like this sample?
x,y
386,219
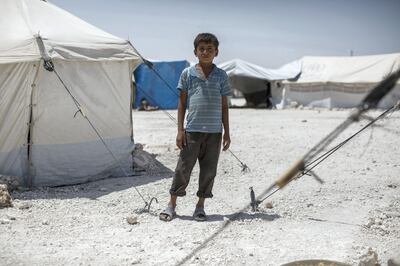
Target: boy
x,y
203,90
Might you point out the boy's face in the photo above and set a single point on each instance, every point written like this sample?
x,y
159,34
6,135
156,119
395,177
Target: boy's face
x,y
206,52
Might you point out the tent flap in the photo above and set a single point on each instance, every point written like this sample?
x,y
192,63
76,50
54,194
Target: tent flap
x,y
15,93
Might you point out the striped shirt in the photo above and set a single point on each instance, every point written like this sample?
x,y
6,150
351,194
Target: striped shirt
x,y
204,102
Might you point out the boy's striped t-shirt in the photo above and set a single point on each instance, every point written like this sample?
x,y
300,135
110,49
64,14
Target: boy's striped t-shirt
x,y
204,102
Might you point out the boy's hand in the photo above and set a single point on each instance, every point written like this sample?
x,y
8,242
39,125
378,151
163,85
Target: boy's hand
x,y
226,142
180,139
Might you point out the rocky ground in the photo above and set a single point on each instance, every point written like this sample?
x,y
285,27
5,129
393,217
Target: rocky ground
x,y
353,217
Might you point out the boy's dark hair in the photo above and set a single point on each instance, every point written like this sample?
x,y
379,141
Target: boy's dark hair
x,y
207,38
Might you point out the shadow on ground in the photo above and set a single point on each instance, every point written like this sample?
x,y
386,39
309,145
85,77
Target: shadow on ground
x,y
242,216
148,170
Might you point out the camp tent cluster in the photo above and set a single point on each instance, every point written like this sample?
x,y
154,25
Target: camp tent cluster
x,y
315,81
341,81
42,138
46,140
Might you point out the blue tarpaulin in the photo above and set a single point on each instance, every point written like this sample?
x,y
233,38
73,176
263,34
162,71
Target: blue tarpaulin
x,y
151,88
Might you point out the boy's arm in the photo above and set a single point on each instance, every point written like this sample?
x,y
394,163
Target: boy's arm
x,y
180,137
225,123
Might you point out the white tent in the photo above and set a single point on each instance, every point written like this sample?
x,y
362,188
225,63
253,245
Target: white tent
x,y
241,68
40,138
341,81
254,81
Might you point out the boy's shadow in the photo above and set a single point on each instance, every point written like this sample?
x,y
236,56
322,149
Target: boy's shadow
x,y
234,217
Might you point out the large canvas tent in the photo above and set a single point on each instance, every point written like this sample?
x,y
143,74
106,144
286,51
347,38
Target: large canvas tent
x,y
341,81
257,83
153,89
42,138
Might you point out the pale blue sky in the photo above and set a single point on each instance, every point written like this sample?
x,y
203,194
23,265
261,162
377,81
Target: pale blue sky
x,y
269,33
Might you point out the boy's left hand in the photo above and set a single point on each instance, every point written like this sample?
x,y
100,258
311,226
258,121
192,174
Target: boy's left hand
x,y
226,142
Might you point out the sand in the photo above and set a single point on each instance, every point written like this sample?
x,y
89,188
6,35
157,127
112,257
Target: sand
x,y
356,209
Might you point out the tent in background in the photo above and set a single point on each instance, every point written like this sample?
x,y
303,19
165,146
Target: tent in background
x,y
258,84
151,88
341,81
41,139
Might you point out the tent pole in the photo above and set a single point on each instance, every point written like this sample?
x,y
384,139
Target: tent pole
x,y
30,127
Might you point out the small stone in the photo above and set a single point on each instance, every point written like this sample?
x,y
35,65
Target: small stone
x,y
24,205
12,218
45,222
251,254
383,216
269,205
392,186
369,223
310,205
132,220
5,198
370,258
138,261
5,221
294,104
304,121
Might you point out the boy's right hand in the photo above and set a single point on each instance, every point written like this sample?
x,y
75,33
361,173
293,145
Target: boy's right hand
x,y
180,139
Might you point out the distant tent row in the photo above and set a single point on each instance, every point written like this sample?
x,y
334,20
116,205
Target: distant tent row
x,y
251,80
311,81
315,81
341,81
42,137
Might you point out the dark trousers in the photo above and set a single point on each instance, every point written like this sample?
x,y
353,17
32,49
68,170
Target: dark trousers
x,y
206,148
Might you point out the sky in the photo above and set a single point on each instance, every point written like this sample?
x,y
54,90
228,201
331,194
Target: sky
x,y
269,33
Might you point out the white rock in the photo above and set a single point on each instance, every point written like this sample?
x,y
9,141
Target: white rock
x,y
5,198
369,259
132,220
5,221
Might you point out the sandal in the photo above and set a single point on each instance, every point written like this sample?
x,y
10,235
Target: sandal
x,y
199,215
167,214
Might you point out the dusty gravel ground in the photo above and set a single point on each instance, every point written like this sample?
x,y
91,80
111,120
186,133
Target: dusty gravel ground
x,y
356,209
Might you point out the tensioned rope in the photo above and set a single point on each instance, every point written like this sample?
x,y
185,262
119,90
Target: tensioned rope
x,y
49,66
328,153
370,101
150,65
